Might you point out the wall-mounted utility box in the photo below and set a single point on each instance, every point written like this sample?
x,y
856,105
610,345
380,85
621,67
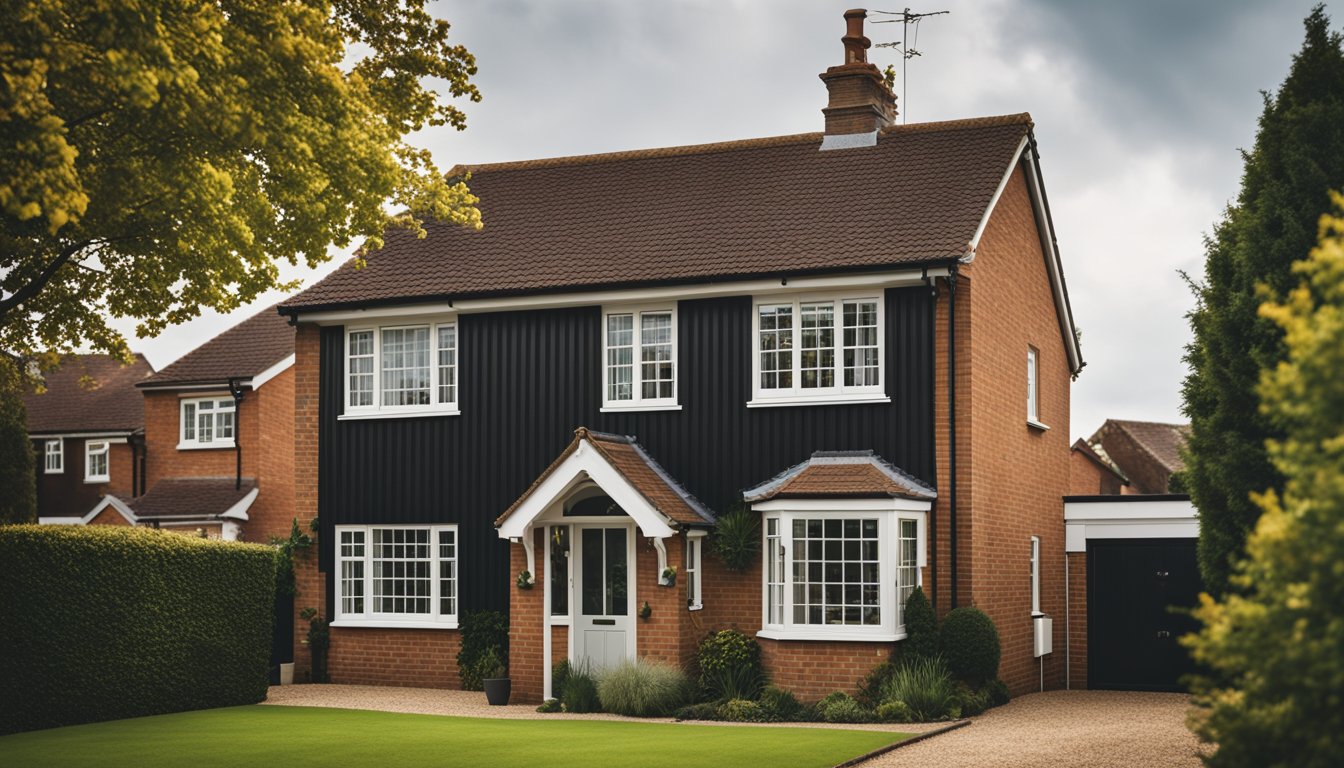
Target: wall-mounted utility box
x,y
1044,627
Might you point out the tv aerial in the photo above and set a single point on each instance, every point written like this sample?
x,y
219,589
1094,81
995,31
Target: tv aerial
x,y
906,19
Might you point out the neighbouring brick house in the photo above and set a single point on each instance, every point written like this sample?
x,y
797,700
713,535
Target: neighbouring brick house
x,y
862,335
1091,473
1147,453
87,428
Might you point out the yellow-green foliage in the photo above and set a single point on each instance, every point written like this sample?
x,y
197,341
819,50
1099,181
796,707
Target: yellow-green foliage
x,y
105,623
1275,695
158,157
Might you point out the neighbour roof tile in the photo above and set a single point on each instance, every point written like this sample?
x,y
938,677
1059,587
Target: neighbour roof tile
x,y
687,214
1161,441
89,393
190,497
247,349
851,474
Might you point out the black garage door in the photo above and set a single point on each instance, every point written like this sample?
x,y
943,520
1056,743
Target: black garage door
x,y
1131,631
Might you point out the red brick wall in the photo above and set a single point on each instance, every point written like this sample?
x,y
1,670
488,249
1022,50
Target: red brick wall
x,y
311,584
1077,624
1017,475
119,471
415,658
813,669
1085,477
527,625
109,516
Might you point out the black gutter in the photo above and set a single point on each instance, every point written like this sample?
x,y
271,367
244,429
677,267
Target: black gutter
x,y
1127,497
952,423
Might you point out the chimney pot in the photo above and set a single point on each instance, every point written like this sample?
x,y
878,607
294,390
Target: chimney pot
x,y
856,45
860,101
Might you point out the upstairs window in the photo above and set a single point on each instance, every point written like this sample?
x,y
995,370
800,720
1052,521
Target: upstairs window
x,y
95,462
402,370
639,348
207,422
1034,389
54,455
817,350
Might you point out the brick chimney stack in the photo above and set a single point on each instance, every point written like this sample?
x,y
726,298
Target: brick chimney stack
x,y
860,101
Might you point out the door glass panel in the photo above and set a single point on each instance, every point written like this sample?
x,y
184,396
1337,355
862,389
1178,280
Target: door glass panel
x,y
559,570
592,572
617,600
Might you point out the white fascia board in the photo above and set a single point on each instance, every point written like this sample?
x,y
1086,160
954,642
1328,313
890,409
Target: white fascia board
x,y
1055,267
868,280
1122,511
60,521
239,510
842,505
585,461
123,434
272,372
110,501
1076,535
994,201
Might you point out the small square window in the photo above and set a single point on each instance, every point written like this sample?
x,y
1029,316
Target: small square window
x,y
54,457
96,462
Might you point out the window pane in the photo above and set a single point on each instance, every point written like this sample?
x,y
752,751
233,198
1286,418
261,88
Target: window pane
x,y
188,421
776,345
617,600
205,424
401,571
559,570
224,425
352,572
620,357
907,570
840,583
361,369
592,599
816,349
860,344
656,355
405,366
447,573
447,364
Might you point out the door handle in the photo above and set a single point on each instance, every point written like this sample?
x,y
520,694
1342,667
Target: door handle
x,y
1163,634
1163,574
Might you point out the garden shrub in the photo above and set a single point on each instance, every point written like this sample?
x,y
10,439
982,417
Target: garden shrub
x,y
481,631
871,688
642,689
841,708
559,678
779,705
926,687
921,627
103,623
707,711
997,691
730,666
737,538
894,712
550,705
580,694
741,711
970,645
970,701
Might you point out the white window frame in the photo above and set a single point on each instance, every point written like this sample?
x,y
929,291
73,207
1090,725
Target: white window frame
x,y
371,618
695,570
1034,389
221,403
53,467
94,448
377,410
638,402
838,393
888,513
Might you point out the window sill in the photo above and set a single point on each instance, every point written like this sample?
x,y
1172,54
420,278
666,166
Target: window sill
x,y
638,408
832,636
855,399
382,624
1037,425
54,472
206,447
96,480
397,415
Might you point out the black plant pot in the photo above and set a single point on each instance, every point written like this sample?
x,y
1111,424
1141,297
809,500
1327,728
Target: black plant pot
x,y
497,690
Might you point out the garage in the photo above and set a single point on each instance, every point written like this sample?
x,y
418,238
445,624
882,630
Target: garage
x,y
1138,574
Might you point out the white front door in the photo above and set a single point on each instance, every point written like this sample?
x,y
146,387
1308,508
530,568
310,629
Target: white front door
x,y
604,632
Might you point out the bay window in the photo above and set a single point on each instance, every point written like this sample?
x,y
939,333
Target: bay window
x,y
401,370
402,576
838,570
639,347
206,422
817,350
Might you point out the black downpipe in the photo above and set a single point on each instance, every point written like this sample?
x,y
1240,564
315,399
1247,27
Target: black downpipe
x,y
135,465
933,444
236,389
952,423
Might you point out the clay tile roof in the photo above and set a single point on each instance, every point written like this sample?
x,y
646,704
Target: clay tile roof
x,y
1161,441
639,469
89,393
245,350
190,497
687,214
852,474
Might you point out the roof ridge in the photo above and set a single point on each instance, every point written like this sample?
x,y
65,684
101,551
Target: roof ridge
x,y
731,145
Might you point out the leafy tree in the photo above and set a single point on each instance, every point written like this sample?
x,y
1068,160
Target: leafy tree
x,y
156,158
1298,156
18,482
1275,646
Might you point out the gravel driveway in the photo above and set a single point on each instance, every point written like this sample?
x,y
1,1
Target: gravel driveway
x,y
1064,728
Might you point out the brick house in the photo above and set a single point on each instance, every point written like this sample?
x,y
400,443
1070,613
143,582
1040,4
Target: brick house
x,y
87,429
835,330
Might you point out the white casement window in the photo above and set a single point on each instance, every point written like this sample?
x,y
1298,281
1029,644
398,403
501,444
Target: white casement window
x,y
817,350
95,462
54,457
694,572
639,347
402,576
1036,576
839,575
402,370
206,422
1034,389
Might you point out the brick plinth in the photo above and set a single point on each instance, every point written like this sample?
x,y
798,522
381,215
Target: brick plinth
x,y
415,658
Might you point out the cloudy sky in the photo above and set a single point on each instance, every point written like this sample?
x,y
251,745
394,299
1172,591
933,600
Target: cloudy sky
x,y
1140,110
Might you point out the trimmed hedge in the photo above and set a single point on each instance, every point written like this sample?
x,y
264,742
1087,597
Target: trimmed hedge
x,y
108,623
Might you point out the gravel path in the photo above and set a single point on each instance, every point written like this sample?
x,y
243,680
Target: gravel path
x,y
1064,728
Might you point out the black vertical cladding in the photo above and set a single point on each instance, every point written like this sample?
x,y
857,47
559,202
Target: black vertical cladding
x,y
528,379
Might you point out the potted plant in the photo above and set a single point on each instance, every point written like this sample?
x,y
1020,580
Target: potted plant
x,y
494,677
525,580
669,578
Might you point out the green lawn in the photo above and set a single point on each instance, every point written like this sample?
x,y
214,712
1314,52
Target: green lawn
x,y
288,737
